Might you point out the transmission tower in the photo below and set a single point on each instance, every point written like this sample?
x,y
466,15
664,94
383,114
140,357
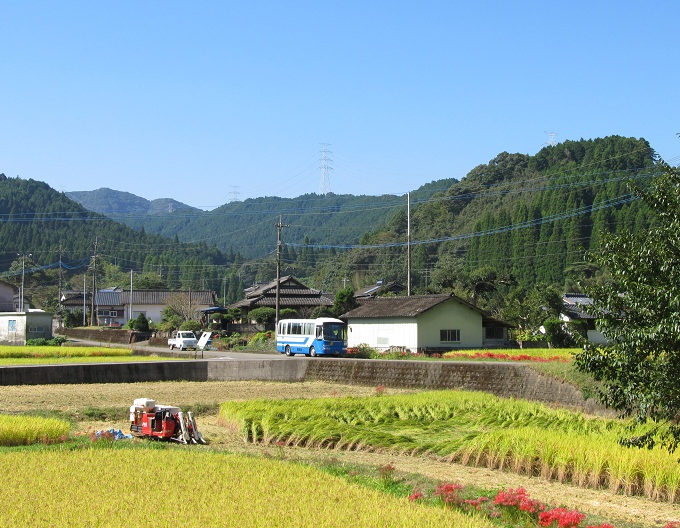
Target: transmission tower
x,y
234,194
326,169
551,139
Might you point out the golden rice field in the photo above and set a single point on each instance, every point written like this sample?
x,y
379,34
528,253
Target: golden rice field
x,y
24,430
184,487
48,355
471,428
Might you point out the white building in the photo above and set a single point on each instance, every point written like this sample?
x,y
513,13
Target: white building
x,y
17,327
422,323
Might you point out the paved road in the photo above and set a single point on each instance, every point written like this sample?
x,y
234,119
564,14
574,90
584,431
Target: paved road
x,y
144,348
207,354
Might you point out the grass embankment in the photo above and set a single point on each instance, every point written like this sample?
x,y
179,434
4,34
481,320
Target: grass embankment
x,y
48,355
137,487
470,428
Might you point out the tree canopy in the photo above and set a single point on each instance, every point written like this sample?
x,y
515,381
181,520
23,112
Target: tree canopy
x,y
638,309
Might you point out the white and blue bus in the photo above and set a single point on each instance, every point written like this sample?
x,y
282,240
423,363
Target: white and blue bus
x,y
312,337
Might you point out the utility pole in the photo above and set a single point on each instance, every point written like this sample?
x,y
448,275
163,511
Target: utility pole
x,y
130,317
59,292
23,274
279,243
94,285
408,244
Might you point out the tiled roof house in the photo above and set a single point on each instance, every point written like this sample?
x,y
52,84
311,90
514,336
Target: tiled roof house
x,y
292,294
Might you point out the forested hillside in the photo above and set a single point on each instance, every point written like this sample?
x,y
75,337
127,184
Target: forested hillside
x,y
514,224
247,227
41,228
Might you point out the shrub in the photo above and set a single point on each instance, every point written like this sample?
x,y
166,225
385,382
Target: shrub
x,y
193,326
362,351
41,341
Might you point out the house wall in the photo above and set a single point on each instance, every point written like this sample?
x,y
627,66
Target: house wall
x,y
383,333
450,315
151,311
16,327
418,334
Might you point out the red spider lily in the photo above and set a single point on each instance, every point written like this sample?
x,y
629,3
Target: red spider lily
x,y
565,518
416,495
448,492
520,499
476,503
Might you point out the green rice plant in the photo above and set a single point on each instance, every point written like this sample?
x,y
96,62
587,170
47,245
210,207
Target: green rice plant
x,y
24,430
192,488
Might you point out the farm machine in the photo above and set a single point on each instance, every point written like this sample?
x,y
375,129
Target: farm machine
x,y
163,422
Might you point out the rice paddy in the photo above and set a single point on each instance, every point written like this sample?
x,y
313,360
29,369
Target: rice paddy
x,y
184,487
470,428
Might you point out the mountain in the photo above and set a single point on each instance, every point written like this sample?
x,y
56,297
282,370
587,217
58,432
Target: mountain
x,y
248,227
110,203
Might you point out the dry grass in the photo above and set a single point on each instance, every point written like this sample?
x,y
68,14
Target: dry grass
x,y
70,398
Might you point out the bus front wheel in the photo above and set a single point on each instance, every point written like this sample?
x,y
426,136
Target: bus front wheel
x,y
312,351
288,352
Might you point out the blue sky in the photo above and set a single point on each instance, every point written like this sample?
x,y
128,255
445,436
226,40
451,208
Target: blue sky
x,y
205,102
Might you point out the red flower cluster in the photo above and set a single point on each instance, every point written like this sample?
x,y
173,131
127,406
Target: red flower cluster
x,y
519,498
415,495
448,492
565,518
504,356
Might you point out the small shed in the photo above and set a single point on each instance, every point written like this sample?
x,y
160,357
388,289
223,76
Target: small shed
x,y
17,327
419,323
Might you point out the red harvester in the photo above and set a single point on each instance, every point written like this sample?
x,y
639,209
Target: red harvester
x,y
163,422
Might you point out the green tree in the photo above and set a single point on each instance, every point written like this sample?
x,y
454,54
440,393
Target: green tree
x,y
141,323
638,311
344,301
262,315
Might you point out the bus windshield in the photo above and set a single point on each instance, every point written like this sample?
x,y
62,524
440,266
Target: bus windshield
x,y
334,331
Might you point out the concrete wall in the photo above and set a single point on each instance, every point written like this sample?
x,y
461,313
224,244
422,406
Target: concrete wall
x,y
502,379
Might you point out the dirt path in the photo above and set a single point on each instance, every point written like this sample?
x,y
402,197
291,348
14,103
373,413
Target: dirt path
x,y
72,398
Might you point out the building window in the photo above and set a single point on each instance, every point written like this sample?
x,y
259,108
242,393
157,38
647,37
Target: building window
x,y
449,336
12,326
493,332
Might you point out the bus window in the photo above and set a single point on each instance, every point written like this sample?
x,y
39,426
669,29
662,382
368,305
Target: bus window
x,y
334,331
319,332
